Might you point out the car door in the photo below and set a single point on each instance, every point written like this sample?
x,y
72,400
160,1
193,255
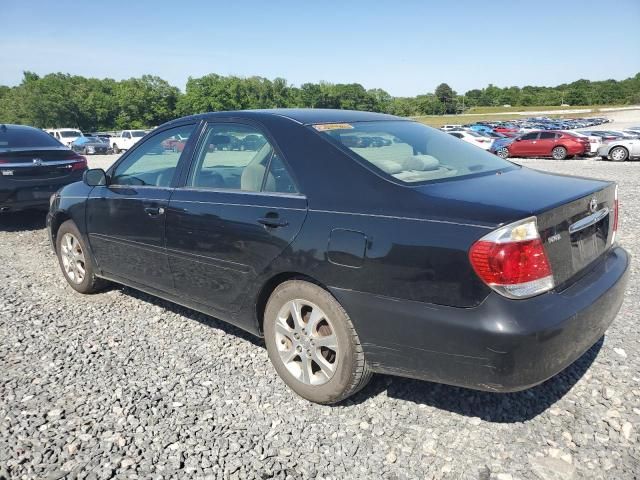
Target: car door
x,y
545,144
525,145
238,210
126,218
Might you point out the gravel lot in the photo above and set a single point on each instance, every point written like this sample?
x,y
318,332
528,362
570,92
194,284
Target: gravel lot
x,y
123,385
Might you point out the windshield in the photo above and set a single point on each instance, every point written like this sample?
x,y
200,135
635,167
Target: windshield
x,y
410,151
138,133
70,133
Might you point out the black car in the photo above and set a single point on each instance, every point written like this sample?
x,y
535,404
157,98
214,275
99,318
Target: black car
x,y
426,257
33,165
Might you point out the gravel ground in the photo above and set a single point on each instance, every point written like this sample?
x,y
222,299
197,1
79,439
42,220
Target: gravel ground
x,y
123,385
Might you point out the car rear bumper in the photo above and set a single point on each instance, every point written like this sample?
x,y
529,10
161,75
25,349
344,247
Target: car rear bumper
x,y
501,345
23,195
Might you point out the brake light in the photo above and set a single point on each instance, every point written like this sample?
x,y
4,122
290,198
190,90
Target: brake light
x,y
512,260
616,213
81,164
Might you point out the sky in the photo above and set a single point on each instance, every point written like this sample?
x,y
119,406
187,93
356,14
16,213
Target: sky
x,y
405,47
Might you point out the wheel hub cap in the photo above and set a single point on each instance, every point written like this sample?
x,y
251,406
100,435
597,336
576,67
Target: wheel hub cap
x,y
306,342
72,256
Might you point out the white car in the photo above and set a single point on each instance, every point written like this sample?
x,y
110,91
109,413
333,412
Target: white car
x,y
66,136
594,141
620,150
125,139
446,128
473,138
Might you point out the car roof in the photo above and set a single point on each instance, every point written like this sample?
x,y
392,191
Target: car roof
x,y
304,116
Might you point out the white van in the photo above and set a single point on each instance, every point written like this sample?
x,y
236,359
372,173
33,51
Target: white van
x,y
66,136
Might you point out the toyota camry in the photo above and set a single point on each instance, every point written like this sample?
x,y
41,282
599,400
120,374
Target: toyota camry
x,y
415,255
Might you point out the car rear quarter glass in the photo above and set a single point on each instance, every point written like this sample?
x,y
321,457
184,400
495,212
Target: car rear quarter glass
x,y
410,151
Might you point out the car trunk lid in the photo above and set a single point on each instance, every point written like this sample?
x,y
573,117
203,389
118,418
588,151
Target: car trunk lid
x,y
559,202
39,163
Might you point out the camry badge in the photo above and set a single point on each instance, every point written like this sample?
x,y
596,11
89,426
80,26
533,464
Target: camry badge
x,y
593,205
37,162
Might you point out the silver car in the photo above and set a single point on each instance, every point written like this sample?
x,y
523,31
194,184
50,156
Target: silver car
x,y
620,150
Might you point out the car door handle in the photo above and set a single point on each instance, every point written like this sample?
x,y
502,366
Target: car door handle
x,y
273,222
154,211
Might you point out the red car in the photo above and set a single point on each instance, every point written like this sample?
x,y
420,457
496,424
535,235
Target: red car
x,y
506,129
558,145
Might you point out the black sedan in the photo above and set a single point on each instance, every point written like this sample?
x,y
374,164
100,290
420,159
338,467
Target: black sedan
x,y
417,255
33,165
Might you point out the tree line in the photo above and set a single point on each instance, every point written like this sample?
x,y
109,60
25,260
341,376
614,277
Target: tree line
x,y
63,100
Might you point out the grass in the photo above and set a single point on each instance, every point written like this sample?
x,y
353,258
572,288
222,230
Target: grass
x,y
482,114
594,108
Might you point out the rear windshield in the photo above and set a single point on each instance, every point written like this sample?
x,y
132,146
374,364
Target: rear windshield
x,y
17,137
70,133
138,133
410,151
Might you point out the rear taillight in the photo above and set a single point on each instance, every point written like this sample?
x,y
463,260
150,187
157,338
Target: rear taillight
x,y
81,163
616,213
512,260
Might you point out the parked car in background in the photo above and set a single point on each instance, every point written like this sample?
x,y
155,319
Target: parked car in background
x,y
90,146
603,134
451,127
474,138
125,140
620,150
33,165
65,136
499,145
558,145
506,128
313,244
106,137
594,142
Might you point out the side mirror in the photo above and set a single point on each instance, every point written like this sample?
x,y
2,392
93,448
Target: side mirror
x,y
94,177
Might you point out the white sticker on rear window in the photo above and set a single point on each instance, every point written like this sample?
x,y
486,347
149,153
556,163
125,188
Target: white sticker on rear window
x,y
324,127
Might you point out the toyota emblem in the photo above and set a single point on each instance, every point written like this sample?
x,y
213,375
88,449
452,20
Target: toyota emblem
x,y
593,205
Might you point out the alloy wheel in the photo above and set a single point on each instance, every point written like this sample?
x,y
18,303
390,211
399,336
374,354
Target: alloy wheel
x,y
306,342
619,154
503,153
73,259
559,153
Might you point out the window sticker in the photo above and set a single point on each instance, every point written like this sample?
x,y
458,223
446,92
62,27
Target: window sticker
x,y
325,127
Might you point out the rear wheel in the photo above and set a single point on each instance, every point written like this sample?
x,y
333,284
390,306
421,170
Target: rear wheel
x,y
312,343
619,154
503,152
75,260
559,153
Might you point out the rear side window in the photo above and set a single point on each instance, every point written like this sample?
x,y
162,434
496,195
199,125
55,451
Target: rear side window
x,y
239,157
410,151
530,136
22,137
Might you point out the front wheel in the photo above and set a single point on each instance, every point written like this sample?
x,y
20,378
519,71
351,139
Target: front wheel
x,y
75,260
503,152
619,154
312,343
559,153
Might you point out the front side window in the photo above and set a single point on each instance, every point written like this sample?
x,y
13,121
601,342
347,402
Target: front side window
x,y
151,163
410,151
239,157
530,136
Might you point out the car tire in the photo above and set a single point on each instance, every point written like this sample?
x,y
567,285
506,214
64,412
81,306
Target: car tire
x,y
604,157
559,153
317,352
618,154
75,260
503,152
116,150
